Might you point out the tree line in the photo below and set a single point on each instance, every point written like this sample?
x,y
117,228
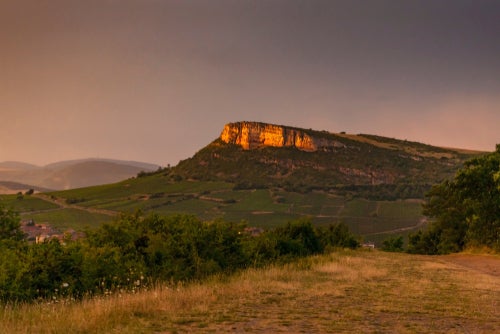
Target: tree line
x,y
135,252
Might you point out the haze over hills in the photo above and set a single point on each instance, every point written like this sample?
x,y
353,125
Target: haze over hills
x,y
18,176
16,165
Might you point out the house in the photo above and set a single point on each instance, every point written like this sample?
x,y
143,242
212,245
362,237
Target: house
x,y
369,244
39,233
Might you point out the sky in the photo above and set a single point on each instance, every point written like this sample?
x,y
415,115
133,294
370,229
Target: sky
x,y
157,80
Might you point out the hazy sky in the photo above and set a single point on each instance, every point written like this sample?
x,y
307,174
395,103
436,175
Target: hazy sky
x,y
156,80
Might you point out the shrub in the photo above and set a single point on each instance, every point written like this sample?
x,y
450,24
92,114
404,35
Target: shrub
x,y
134,250
393,244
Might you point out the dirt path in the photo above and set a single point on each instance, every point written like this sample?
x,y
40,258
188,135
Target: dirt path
x,y
486,264
420,223
62,204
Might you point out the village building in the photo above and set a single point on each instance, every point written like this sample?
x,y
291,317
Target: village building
x,y
39,233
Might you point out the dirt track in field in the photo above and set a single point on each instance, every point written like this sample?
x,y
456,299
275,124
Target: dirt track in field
x,y
63,205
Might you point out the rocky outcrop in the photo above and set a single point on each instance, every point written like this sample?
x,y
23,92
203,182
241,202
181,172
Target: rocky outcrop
x,y
251,135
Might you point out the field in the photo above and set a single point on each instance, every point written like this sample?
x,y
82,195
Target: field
x,y
345,292
28,204
267,208
64,218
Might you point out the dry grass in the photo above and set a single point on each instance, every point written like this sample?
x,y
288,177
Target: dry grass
x,y
351,291
411,150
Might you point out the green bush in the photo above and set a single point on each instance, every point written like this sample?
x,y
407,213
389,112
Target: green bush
x,y
393,244
134,251
338,236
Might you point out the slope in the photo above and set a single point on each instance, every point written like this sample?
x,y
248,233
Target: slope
x,y
257,155
373,184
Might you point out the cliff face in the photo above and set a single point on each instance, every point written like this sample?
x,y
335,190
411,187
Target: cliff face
x,y
251,135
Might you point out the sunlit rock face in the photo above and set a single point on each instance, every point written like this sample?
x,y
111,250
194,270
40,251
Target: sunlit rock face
x,y
251,135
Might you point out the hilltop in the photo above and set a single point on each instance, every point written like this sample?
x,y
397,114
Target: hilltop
x,y
260,155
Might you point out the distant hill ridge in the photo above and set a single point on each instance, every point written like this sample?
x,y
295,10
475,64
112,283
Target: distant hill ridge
x,y
69,174
16,165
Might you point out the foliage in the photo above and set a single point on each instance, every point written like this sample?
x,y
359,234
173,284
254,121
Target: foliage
x,y
73,200
135,251
158,171
10,226
298,238
309,295
466,210
338,235
393,244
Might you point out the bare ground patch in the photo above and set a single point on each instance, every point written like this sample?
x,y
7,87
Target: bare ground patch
x,y
487,264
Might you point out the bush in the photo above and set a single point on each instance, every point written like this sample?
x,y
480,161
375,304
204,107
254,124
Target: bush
x,y
298,238
75,200
133,251
338,236
393,244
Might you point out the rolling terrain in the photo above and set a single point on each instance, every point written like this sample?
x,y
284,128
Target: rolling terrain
x,y
267,175
67,174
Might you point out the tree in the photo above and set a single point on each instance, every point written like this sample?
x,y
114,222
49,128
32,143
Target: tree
x,y
393,244
10,225
465,210
298,238
338,235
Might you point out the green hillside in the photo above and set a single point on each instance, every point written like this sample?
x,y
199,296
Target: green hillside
x,y
373,184
363,165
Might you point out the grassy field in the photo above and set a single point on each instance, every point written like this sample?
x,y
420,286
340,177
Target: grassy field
x,y
266,208
69,218
27,204
346,292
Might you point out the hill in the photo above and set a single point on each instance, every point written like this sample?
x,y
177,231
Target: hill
x,y
8,187
15,165
71,174
267,175
259,155
67,163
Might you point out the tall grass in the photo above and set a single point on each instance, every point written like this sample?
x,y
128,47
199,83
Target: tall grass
x,y
350,291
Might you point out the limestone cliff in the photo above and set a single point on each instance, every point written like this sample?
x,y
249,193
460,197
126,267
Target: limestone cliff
x,y
251,135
